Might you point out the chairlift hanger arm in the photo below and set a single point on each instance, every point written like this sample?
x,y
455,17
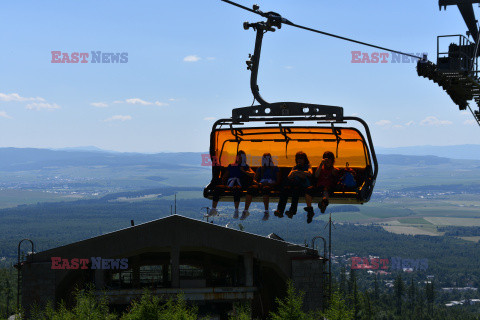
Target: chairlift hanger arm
x,y
254,61
274,21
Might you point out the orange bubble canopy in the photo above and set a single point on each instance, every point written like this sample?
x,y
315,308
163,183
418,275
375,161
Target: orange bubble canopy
x,y
348,145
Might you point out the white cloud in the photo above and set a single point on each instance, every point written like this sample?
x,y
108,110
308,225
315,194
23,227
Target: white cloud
x,y
42,105
35,103
409,123
209,118
99,104
137,101
3,114
383,123
434,121
141,102
16,97
469,121
211,58
192,58
119,117
288,67
397,126
172,99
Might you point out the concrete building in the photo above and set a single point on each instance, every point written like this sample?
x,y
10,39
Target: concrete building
x,y
211,265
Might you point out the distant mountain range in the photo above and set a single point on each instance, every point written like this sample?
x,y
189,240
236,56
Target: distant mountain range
x,y
24,159
83,148
465,151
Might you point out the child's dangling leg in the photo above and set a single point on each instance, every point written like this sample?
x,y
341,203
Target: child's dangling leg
x,y
323,205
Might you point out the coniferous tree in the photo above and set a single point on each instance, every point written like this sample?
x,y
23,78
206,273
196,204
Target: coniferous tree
x,y
290,308
376,291
398,291
411,291
430,295
338,308
350,282
367,311
356,305
343,281
419,309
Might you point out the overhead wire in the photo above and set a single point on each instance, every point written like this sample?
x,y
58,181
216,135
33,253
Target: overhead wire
x,y
474,115
287,22
273,15
351,40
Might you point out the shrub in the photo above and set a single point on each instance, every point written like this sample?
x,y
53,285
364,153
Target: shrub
x,y
338,309
240,312
151,307
290,308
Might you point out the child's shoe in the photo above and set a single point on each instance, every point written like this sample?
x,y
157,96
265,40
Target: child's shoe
x,y
212,212
266,215
323,205
235,215
290,213
310,214
245,214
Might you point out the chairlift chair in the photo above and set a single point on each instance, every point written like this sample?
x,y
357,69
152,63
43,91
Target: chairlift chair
x,y
284,128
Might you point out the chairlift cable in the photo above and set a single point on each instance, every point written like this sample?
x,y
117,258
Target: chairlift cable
x,y
352,40
285,21
474,115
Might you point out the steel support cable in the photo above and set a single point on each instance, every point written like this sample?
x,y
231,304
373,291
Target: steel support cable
x,y
285,21
473,114
352,40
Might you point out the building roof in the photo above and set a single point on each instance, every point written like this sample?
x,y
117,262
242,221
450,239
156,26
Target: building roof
x,y
183,233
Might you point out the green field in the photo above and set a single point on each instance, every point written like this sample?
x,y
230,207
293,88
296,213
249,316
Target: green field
x,y
473,239
12,198
185,195
409,230
449,221
413,220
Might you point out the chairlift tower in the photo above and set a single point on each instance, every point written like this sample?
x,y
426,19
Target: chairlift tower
x,y
456,69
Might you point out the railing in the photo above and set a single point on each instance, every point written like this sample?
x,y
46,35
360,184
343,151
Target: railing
x,y
19,269
459,57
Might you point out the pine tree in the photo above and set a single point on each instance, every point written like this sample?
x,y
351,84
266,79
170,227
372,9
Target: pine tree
x,y
290,308
398,290
367,307
351,280
430,295
376,291
343,281
356,305
338,309
411,291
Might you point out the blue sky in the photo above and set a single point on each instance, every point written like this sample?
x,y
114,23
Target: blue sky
x,y
186,67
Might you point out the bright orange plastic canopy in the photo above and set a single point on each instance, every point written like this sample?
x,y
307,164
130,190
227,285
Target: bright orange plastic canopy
x,y
347,144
